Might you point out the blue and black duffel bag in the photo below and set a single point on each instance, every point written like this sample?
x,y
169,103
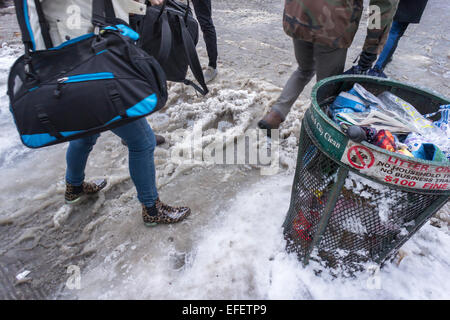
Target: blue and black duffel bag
x,y
86,85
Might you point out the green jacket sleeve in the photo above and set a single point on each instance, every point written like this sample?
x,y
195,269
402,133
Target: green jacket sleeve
x,y
382,13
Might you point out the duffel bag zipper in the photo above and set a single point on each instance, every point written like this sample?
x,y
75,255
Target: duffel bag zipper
x,y
81,78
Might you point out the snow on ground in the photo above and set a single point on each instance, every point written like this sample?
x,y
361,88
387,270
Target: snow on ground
x,y
241,255
232,246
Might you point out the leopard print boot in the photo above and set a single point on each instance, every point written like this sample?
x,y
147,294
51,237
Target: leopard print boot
x,y
161,213
74,193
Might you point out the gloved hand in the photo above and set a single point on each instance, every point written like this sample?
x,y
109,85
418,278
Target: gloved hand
x,y
365,63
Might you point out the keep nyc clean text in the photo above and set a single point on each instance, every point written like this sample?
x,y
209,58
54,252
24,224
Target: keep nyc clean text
x,y
230,309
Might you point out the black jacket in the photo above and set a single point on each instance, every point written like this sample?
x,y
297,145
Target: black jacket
x,y
410,11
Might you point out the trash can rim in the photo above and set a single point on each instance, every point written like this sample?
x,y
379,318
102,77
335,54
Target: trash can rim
x,y
354,78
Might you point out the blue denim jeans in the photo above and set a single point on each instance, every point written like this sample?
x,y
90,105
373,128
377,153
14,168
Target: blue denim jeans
x,y
397,31
141,145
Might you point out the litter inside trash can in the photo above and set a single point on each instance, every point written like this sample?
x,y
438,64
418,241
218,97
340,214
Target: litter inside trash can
x,y
354,202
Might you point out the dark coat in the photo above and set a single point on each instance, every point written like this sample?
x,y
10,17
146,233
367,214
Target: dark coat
x,y
410,11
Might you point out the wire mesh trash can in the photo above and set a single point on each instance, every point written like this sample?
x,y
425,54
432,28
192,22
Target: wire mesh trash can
x,y
354,203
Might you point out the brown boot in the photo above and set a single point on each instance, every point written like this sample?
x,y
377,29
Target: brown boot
x,y
74,193
272,120
159,140
161,213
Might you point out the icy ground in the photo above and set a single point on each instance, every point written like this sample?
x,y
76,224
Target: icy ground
x,y
232,246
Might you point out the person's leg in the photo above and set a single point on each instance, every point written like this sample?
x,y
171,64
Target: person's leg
x,y
141,144
397,31
76,158
329,61
298,80
203,11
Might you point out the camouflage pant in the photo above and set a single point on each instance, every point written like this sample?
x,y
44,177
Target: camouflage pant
x,y
312,59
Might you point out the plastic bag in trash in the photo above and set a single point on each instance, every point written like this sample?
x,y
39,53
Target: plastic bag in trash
x,y
407,112
360,107
422,148
346,102
356,99
378,120
442,123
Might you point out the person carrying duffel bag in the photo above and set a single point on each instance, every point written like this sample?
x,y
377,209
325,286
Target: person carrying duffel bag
x,y
91,83
44,85
169,32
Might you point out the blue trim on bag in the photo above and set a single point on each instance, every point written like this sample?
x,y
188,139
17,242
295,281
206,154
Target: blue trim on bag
x,y
125,31
113,120
102,52
89,77
69,42
40,139
27,21
144,107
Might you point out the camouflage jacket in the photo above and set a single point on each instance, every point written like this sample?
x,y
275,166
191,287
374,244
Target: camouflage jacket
x,y
334,22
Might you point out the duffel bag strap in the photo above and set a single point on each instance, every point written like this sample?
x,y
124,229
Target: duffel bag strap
x,y
103,14
46,122
31,78
188,10
98,13
166,34
45,28
109,9
175,5
117,100
192,57
23,18
166,39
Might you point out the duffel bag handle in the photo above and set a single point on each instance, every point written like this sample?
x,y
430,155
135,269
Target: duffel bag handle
x,y
166,39
193,61
98,13
164,5
166,33
188,8
103,14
